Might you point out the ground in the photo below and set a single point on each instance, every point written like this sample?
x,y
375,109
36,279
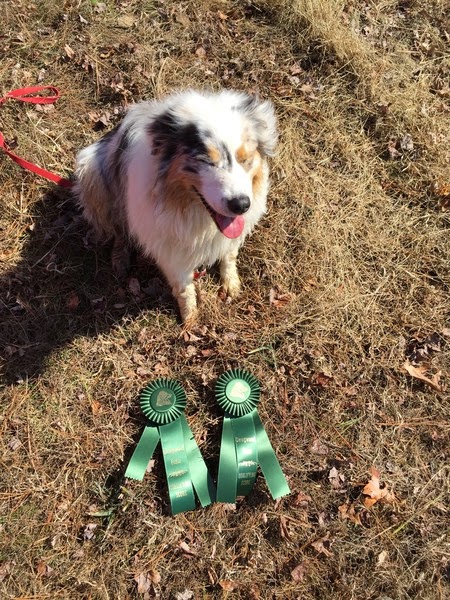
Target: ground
x,y
344,314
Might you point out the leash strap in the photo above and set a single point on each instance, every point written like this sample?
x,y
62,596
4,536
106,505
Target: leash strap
x,y
28,95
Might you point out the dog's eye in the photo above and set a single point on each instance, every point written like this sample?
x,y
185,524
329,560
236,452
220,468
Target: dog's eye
x,y
205,161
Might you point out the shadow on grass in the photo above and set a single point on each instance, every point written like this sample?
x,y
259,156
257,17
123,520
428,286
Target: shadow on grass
x,y
63,287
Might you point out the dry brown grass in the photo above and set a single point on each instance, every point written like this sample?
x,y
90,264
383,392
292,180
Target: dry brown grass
x,y
354,251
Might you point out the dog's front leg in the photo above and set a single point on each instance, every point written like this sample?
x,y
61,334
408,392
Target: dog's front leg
x,y
183,289
229,277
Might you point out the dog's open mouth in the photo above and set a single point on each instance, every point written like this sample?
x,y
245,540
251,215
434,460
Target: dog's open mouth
x,y
231,227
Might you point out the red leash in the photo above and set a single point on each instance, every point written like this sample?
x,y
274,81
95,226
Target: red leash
x,y
25,95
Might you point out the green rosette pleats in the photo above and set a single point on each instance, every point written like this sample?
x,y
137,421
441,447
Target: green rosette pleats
x,y
245,443
163,403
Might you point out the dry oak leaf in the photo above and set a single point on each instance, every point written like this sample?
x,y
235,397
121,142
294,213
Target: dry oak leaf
x,y
228,585
347,511
419,373
186,549
323,545
373,490
278,299
284,529
144,583
298,572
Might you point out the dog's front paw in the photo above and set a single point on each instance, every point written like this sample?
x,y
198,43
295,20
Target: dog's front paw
x,y
187,303
231,286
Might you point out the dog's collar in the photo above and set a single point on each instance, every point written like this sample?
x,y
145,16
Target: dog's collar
x,y
200,272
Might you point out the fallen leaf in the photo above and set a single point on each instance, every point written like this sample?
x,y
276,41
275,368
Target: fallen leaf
x,y
382,558
322,379
253,593
96,407
183,19
200,52
374,492
191,351
42,569
228,585
14,444
392,150
100,7
284,529
89,531
143,372
419,373
134,286
296,69
348,511
323,545
336,479
161,369
186,549
298,573
406,142
420,350
322,520
302,500
154,576
186,595
278,299
72,301
144,582
69,51
318,447
207,352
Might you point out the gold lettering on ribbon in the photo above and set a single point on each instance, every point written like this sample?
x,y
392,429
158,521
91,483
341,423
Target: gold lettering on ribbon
x,y
246,475
178,473
245,440
247,463
180,484
175,461
174,450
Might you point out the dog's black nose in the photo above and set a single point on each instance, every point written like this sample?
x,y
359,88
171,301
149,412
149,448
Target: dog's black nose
x,y
239,204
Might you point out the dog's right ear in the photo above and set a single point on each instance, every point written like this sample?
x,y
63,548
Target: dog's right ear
x,y
262,115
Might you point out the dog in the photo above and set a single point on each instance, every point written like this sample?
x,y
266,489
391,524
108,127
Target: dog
x,y
186,179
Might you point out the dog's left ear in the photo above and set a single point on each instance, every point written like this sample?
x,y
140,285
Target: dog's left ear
x,y
262,114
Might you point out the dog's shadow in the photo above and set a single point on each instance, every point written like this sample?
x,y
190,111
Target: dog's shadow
x,y
63,287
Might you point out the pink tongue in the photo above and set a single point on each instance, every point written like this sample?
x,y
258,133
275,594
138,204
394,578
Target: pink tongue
x,y
231,227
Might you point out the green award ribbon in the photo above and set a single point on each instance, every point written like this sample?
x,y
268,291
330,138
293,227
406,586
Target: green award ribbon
x,y
163,403
245,443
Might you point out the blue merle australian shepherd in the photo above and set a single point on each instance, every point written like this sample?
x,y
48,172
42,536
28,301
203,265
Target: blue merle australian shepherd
x,y
186,179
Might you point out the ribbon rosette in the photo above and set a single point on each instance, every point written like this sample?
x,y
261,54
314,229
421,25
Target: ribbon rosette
x,y
163,403
245,443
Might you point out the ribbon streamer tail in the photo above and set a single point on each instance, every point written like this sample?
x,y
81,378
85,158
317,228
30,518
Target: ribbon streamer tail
x,y
246,452
275,479
143,453
201,479
176,460
227,479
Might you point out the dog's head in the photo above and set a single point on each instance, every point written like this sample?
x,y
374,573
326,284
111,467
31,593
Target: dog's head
x,y
216,145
